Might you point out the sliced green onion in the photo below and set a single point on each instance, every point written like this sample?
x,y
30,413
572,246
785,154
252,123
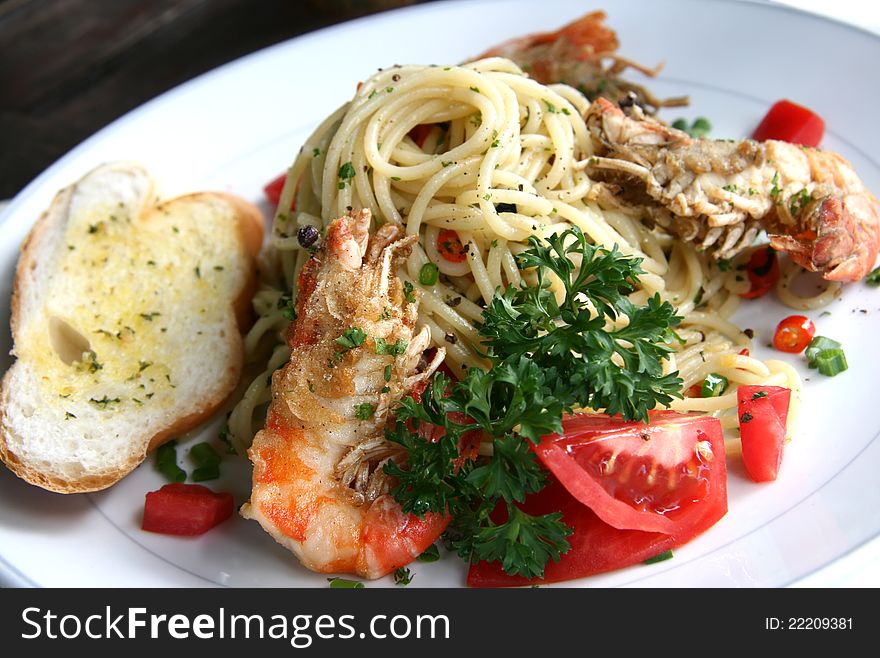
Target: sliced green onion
x,y
665,555
343,583
429,274
166,462
831,362
204,454
714,385
818,344
873,279
431,554
204,473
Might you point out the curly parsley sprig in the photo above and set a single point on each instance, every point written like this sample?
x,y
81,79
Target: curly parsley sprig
x,y
548,357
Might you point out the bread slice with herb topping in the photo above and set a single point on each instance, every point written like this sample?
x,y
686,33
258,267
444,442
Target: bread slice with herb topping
x,y
126,318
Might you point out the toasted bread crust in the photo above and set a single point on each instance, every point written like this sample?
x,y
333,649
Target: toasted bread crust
x,y
249,235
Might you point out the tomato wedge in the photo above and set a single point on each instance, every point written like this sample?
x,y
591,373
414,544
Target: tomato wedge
x,y
185,509
653,477
763,272
596,547
790,122
763,413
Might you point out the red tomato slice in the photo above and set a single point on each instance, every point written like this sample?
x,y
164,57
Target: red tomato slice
x,y
653,477
790,122
450,247
793,334
185,509
762,421
596,547
763,272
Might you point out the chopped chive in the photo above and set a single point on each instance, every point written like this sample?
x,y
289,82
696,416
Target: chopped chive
x,y
714,385
665,555
831,362
429,274
817,345
344,583
205,473
204,454
166,462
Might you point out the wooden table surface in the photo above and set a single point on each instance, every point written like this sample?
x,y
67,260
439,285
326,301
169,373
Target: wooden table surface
x,y
70,67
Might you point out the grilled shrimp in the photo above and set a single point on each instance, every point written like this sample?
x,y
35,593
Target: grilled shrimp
x,y
318,486
722,193
575,54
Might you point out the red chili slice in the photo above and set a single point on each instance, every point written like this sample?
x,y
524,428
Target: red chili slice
x,y
793,334
450,247
763,272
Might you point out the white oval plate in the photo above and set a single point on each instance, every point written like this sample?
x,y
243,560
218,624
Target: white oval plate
x,y
241,125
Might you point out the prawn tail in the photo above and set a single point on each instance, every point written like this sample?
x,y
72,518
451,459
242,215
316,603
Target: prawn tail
x,y
392,538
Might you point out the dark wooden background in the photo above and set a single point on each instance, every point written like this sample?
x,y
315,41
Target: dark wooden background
x,y
70,67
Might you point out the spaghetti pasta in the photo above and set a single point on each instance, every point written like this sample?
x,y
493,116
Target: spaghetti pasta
x,y
497,162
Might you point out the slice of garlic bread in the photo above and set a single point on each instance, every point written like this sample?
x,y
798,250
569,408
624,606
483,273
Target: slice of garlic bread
x,y
126,317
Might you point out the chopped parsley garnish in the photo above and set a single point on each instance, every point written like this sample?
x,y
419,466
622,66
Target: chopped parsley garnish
x,y
149,316
550,107
346,173
430,554
103,402
873,279
364,411
402,576
759,395
351,338
799,201
408,292
391,349
286,304
775,191
547,358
